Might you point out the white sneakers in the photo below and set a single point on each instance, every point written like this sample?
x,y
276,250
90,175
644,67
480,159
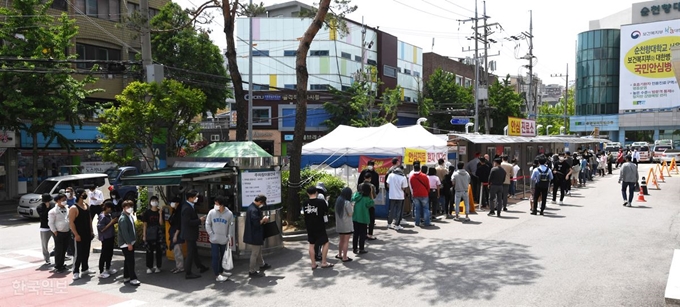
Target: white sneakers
x,y
88,272
76,276
112,271
227,274
553,202
156,270
398,227
221,278
149,271
104,275
135,282
391,226
561,203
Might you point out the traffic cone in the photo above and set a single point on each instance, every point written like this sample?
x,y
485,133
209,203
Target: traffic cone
x,y
661,176
641,197
643,186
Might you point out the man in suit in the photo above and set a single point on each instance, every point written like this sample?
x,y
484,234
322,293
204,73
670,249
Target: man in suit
x,y
189,233
253,235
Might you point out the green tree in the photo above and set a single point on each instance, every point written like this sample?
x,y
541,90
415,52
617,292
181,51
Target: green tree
x,y
149,114
190,49
358,106
504,102
445,98
332,20
554,115
37,88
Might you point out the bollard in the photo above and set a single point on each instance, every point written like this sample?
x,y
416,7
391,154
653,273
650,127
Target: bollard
x,y
643,186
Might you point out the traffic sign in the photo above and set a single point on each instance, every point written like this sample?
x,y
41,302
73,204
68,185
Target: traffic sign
x,y
459,121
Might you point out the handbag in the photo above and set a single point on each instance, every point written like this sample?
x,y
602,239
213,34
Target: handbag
x,y
227,261
270,229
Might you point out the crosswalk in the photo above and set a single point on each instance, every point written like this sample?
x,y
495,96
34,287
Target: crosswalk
x,y
20,259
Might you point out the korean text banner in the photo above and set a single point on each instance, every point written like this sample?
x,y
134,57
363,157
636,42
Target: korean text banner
x,y
381,166
646,78
411,155
521,127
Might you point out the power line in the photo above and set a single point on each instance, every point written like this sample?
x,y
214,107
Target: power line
x,y
419,10
469,10
443,9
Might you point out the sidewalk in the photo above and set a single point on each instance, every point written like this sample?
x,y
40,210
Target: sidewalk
x,y
8,206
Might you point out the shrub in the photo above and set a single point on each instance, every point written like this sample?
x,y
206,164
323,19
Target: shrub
x,y
310,178
139,232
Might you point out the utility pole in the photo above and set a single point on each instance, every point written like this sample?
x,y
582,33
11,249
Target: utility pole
x,y
530,57
363,47
476,59
250,76
145,34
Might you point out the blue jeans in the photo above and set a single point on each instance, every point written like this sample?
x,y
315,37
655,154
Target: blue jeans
x,y
631,191
396,210
421,206
513,187
583,176
466,200
217,252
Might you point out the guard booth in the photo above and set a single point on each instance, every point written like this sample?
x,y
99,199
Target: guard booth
x,y
240,170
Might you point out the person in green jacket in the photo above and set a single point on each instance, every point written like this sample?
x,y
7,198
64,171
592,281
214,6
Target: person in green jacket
x,y
362,202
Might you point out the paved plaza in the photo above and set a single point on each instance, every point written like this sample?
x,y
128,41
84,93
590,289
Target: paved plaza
x,y
591,251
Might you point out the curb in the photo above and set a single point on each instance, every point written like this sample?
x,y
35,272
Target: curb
x,y
302,235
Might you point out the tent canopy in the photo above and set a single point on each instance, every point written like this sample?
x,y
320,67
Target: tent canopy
x,y
345,144
231,150
169,176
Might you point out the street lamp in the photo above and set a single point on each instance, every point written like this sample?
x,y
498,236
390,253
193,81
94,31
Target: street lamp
x,y
547,129
505,130
562,129
538,127
421,120
468,125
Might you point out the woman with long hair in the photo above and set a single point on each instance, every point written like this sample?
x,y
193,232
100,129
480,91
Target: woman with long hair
x,y
344,209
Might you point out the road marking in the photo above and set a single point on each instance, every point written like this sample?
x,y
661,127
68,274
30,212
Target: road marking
x,y
130,303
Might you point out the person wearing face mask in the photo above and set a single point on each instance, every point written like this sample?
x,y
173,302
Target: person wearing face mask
x,y
117,203
153,236
176,242
95,199
220,227
83,233
70,197
370,172
126,242
106,233
57,220
45,233
189,232
253,235
561,171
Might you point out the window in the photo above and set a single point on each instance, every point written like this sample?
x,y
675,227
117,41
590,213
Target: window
x,y
95,53
407,71
357,58
262,116
260,52
346,88
389,71
318,53
415,73
371,62
61,5
407,99
319,87
260,87
214,137
399,69
289,52
345,55
289,86
468,82
132,8
132,56
104,9
459,80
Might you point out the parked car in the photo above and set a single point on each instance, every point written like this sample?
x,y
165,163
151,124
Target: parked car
x,y
669,154
28,203
115,174
638,144
645,153
658,151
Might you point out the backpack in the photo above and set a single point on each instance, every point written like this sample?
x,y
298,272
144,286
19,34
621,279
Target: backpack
x,y
543,179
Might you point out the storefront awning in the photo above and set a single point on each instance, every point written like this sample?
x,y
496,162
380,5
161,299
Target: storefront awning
x,y
170,176
231,150
506,139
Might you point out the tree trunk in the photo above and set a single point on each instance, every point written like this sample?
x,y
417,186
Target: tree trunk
x,y
35,160
228,10
301,111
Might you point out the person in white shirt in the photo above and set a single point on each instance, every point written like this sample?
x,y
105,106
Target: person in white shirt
x,y
636,156
95,198
513,183
398,189
57,220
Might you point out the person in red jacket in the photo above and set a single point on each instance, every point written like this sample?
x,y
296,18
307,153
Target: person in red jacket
x,y
420,185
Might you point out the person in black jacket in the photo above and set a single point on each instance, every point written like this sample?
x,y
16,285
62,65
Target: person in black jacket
x,y
45,233
253,235
375,182
189,232
483,170
175,240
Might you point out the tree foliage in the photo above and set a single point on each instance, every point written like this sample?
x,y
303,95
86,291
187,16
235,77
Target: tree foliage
x,y
358,106
37,88
504,102
149,114
443,98
554,115
190,49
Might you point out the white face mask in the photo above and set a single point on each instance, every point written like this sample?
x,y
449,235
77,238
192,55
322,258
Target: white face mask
x,y
129,210
370,167
68,194
217,207
195,200
113,196
173,205
154,204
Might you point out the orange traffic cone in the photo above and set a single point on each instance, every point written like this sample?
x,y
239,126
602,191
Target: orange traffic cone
x,y
641,197
661,176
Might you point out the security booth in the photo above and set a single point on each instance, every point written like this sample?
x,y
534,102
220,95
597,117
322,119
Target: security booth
x,y
238,170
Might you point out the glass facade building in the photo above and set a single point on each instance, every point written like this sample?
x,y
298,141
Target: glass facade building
x,y
597,72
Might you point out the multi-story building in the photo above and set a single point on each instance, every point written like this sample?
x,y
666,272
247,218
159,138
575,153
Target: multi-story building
x,y
101,36
521,85
334,60
625,84
552,93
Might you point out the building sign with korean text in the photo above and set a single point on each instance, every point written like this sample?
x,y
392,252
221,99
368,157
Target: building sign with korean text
x,y
646,78
521,126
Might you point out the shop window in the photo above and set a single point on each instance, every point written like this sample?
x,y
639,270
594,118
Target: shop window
x,y
262,116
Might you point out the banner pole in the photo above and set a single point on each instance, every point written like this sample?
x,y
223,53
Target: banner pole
x,y
524,186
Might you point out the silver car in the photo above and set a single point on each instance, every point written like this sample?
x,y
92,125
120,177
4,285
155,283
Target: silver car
x,y
28,203
669,154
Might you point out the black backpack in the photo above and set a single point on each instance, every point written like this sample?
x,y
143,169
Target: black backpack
x,y
543,179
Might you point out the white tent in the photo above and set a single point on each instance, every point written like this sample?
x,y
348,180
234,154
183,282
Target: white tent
x,y
345,144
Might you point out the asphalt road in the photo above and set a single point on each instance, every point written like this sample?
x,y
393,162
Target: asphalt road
x,y
589,252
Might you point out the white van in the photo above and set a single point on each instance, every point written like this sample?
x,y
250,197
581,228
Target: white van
x,y
29,202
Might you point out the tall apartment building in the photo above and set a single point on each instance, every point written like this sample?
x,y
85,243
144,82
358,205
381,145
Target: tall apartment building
x,y
100,37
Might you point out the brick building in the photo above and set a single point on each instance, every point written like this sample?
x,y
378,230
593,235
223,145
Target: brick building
x,y
465,73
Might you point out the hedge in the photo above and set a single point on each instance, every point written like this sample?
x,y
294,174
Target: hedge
x,y
310,178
